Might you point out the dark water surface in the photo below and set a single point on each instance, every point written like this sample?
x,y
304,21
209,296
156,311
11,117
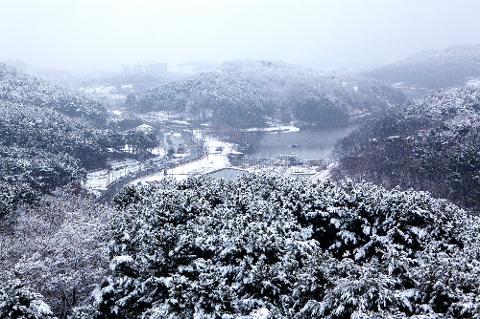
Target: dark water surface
x,y
307,144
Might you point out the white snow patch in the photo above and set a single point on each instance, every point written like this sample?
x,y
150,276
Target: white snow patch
x,y
182,122
274,129
118,260
117,112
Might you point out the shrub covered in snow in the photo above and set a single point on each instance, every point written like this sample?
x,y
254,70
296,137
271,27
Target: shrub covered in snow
x,y
272,247
16,301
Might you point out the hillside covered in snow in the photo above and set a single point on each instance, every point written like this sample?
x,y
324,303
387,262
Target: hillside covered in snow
x,y
432,144
18,87
49,137
249,94
455,66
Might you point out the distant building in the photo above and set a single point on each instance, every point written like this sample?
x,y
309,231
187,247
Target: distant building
x,y
152,69
156,68
235,155
290,159
174,142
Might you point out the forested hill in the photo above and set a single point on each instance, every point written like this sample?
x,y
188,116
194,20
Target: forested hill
x,y
432,144
451,67
18,87
247,94
48,137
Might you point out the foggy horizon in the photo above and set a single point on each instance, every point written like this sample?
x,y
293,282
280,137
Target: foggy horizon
x,y
104,35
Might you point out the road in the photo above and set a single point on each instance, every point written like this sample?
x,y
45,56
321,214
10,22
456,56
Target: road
x,y
157,168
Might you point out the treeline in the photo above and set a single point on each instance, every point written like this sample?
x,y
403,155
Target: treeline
x,y
248,94
432,145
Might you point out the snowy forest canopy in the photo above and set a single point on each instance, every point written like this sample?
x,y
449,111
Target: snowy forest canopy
x,y
270,247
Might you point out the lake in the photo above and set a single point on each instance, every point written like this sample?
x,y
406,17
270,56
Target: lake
x,y
307,144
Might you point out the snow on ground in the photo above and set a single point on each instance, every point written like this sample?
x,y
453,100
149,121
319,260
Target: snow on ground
x,y
473,82
163,116
117,112
216,158
301,172
197,134
274,129
101,179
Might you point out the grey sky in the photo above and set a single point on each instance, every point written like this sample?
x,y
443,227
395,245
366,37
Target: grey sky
x,y
103,34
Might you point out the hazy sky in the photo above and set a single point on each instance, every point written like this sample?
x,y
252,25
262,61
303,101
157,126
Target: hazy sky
x,y
104,34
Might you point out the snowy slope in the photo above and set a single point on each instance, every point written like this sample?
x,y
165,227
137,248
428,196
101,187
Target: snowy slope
x,y
454,66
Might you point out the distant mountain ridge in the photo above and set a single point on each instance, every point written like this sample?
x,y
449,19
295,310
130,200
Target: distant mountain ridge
x,y
250,93
433,69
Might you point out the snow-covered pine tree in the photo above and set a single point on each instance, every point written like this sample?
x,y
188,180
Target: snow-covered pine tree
x,y
272,247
